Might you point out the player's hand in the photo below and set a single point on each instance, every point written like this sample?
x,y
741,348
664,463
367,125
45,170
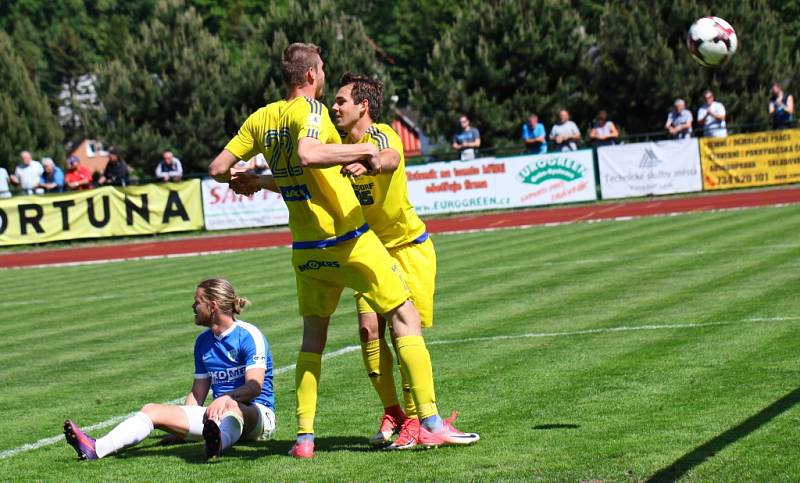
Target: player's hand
x,y
243,183
355,169
215,410
374,160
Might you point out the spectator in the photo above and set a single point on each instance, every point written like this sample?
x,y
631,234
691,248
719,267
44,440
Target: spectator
x,y
467,140
781,108
565,134
116,172
5,180
679,121
604,132
52,179
78,176
170,168
711,116
534,136
27,174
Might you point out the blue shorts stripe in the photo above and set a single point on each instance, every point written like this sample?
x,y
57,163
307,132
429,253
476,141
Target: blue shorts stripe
x,y
421,238
329,242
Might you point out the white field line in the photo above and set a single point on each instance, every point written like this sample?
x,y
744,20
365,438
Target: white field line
x,y
453,232
345,350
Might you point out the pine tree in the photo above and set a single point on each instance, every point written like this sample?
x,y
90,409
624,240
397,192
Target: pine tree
x,y
25,117
501,62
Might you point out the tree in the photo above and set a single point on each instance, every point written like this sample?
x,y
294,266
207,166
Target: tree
x,y
502,61
25,117
168,89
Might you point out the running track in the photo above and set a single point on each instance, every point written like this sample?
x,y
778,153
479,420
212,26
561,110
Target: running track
x,y
226,243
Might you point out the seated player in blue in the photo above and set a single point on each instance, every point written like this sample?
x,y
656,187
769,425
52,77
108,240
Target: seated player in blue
x,y
232,359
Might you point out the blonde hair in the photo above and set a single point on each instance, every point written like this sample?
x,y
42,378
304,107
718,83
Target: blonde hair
x,y
221,291
295,62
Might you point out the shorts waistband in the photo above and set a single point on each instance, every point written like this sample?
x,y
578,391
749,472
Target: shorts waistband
x,y
421,238
329,242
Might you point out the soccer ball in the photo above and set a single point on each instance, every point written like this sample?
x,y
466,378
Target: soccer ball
x,y
711,41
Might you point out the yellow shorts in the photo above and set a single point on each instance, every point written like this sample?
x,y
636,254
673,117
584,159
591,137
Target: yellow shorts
x,y
362,264
418,261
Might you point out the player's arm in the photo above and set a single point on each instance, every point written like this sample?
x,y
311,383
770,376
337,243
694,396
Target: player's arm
x,y
389,161
253,380
313,154
199,392
220,168
246,184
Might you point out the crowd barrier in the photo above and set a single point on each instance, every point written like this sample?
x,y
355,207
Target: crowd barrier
x,y
623,171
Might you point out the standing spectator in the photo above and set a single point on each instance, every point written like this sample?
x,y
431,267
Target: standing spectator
x,y
781,108
5,180
116,172
565,134
679,121
711,116
170,168
52,179
27,174
533,135
604,132
78,176
467,140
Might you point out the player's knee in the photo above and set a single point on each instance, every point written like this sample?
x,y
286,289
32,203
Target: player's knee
x,y
232,405
151,409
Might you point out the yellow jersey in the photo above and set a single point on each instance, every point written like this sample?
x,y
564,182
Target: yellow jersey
x,y
384,197
251,138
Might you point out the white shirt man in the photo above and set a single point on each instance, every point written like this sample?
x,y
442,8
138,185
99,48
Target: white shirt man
x,y
712,117
28,173
5,192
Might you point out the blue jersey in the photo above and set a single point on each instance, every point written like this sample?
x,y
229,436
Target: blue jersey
x,y
227,357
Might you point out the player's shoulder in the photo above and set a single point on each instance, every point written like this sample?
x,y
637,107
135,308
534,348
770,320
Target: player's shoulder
x,y
204,338
305,104
248,330
384,135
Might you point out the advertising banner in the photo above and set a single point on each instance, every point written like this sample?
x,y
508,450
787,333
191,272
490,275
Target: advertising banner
x,y
651,168
224,209
491,183
102,212
754,159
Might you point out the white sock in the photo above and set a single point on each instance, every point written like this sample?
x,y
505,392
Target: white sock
x,y
127,433
230,427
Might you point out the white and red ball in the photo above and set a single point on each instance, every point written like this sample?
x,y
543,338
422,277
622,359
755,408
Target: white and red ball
x,y
711,41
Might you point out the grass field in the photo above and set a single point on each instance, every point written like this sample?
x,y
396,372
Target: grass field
x,y
653,348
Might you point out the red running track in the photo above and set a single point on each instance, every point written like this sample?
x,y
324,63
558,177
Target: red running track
x,y
223,243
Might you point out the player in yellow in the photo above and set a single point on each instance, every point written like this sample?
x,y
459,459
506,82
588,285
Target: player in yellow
x,y
384,201
332,244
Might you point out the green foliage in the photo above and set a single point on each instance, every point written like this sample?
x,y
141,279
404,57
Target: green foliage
x,y
26,120
502,61
167,90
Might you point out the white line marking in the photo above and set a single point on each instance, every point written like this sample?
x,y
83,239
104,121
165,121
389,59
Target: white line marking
x,y
352,348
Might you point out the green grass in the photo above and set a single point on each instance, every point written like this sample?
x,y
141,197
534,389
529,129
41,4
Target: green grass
x,y
578,390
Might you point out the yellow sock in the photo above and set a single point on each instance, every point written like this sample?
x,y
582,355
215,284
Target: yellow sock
x,y
409,407
415,358
379,363
306,381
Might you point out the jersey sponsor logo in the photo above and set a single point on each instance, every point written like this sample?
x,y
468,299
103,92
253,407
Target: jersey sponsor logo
x,y
316,265
364,193
313,121
226,375
297,192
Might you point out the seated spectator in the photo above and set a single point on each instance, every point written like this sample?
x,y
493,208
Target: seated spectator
x,y
781,108
170,168
533,135
28,174
52,179
5,181
711,116
604,132
565,134
467,140
116,172
679,121
78,176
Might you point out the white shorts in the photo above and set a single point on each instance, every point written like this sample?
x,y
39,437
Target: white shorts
x,y
262,431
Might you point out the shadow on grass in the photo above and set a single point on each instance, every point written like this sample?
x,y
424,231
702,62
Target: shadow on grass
x,y
713,446
556,426
192,453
